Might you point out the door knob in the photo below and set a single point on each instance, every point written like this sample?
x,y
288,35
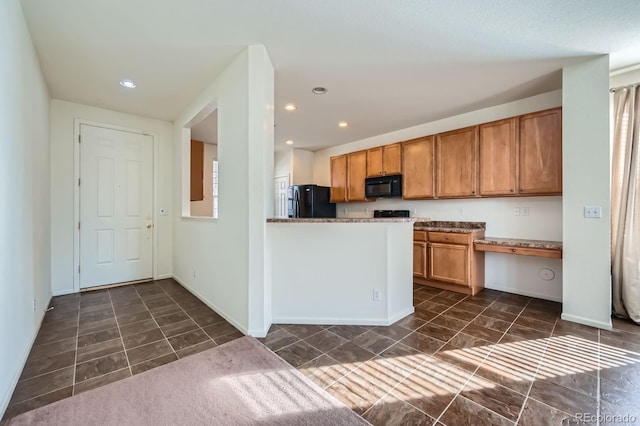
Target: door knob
x,y
149,225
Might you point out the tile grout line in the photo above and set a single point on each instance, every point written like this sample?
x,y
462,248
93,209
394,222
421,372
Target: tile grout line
x,y
535,375
428,355
483,360
155,322
75,358
124,349
191,318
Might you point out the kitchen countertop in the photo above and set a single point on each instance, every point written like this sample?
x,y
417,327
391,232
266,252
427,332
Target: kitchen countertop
x,y
349,220
520,243
448,226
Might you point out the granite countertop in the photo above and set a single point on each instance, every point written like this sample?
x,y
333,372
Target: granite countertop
x,y
520,243
348,220
448,226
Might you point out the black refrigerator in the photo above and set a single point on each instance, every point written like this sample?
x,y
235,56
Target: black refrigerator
x,y
310,201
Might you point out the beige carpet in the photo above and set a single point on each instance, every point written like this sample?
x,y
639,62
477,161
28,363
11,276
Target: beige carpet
x,y
238,383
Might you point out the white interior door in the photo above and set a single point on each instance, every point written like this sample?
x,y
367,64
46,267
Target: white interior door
x,y
116,206
280,185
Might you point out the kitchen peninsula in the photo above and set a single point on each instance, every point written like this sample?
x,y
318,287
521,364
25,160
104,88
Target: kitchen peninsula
x,y
341,271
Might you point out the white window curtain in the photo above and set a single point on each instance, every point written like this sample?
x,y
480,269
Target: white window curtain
x,y
625,204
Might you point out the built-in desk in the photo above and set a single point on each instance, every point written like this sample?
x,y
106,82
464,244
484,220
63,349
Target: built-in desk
x,y
539,248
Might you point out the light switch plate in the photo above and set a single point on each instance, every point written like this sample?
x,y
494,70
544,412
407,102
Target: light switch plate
x,y
592,212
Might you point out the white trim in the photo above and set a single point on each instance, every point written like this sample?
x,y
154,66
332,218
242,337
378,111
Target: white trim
x,y
520,292
64,292
14,381
259,333
624,70
587,321
342,321
199,218
77,122
219,311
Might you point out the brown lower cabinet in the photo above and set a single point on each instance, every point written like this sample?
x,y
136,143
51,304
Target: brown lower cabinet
x,y
448,260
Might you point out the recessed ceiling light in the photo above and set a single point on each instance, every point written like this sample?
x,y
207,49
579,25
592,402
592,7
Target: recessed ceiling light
x,y
319,90
343,124
290,107
289,142
128,84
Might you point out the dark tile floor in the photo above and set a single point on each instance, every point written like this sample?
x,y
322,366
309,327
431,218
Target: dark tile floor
x,y
94,338
492,359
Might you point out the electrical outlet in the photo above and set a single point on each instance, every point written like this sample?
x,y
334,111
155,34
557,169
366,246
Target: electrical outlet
x,y
376,295
34,305
461,211
516,211
592,212
194,273
524,211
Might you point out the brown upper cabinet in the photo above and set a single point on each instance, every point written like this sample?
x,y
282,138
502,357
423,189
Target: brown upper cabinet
x,y
384,160
516,156
356,174
339,179
197,170
497,149
456,159
541,153
417,168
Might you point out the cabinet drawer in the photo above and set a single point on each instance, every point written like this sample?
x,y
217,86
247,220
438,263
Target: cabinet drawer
x,y
448,237
420,236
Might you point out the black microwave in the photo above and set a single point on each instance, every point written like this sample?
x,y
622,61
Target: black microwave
x,y
383,186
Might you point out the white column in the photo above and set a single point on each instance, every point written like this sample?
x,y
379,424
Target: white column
x,y
586,294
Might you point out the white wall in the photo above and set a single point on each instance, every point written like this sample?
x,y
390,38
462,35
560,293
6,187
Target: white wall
x,y
62,137
517,274
586,179
205,207
295,163
223,260
625,78
302,167
325,273
25,273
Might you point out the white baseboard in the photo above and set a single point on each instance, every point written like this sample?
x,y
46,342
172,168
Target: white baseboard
x,y
63,292
342,321
14,381
587,321
507,289
259,333
163,277
219,311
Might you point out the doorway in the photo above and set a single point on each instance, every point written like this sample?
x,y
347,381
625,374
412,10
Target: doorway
x,y
280,186
116,206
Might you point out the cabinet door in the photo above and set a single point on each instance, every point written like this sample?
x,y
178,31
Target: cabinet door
x,y
456,158
356,174
420,259
417,168
391,155
339,179
197,170
497,157
540,170
374,162
449,263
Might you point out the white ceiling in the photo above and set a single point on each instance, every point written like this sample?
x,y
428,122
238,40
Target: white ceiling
x,y
386,64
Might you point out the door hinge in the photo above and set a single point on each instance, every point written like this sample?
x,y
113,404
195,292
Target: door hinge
x,y
79,138
78,268
78,225
78,181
